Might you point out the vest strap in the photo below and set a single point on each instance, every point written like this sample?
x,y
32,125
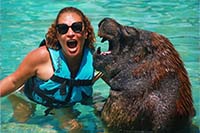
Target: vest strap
x,y
71,82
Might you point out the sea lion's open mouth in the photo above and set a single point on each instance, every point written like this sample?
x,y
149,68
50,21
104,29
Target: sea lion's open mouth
x,y
110,48
72,43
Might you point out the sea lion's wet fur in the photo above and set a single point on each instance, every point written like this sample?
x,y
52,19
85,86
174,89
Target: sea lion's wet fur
x,y
150,88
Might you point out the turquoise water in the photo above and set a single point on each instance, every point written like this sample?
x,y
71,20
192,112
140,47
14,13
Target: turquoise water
x,y
24,24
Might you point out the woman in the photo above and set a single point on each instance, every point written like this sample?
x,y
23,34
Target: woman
x,y
60,72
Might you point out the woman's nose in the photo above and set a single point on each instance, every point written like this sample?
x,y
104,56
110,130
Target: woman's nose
x,y
70,32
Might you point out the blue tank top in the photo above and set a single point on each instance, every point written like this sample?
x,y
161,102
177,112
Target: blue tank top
x,y
61,89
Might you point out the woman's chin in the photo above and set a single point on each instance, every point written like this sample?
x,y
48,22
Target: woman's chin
x,y
73,52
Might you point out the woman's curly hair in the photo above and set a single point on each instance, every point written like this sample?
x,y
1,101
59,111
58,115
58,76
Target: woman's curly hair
x,y
51,38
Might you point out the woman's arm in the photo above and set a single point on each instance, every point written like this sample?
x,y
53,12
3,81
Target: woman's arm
x,y
28,68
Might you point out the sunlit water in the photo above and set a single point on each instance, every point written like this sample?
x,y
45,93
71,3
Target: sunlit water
x,y
24,24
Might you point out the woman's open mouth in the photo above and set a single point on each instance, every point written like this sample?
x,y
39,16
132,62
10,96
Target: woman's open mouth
x,y
72,46
72,43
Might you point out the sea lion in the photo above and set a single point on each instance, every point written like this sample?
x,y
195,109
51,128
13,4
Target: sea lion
x,y
150,88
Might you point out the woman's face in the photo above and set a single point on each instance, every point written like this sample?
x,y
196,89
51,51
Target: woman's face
x,y
71,40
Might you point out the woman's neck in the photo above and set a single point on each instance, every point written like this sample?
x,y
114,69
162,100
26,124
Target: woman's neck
x,y
73,63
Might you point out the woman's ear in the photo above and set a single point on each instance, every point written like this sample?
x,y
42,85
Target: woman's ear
x,y
86,34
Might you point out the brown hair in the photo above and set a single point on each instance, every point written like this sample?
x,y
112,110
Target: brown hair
x,y
51,39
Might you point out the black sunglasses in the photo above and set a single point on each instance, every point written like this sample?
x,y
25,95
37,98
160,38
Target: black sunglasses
x,y
63,28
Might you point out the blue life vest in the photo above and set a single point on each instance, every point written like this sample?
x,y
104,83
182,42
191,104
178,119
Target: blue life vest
x,y
61,89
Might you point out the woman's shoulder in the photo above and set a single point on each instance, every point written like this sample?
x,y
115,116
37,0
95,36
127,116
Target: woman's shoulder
x,y
41,50
39,55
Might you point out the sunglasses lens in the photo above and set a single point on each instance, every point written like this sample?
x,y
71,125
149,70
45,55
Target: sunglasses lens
x,y
77,27
62,28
